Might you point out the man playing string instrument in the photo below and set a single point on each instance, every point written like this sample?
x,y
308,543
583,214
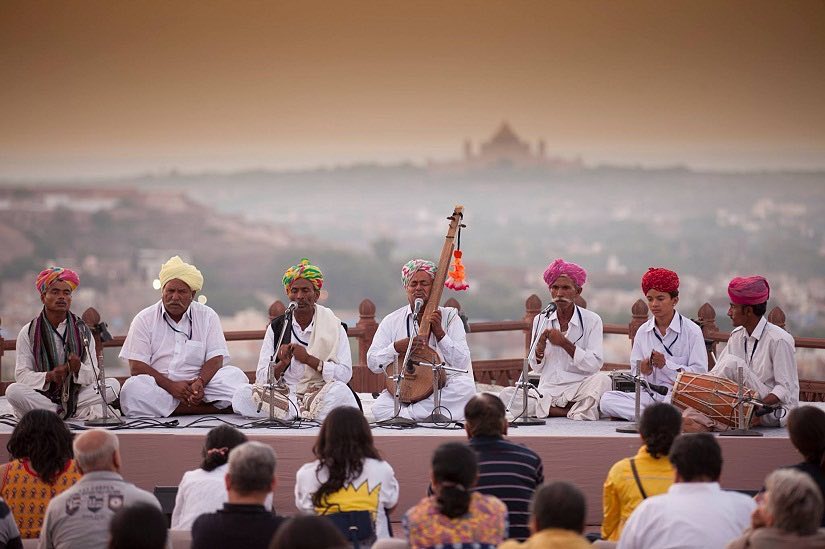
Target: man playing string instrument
x,y
447,336
313,361
53,370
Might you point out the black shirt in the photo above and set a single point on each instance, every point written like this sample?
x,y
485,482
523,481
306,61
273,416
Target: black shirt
x,y
815,472
236,525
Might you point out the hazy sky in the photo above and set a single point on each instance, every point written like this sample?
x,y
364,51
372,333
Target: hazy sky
x,y
94,87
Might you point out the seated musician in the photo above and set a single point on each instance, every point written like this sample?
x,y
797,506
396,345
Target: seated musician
x,y
765,350
568,353
668,343
177,352
53,369
447,337
313,361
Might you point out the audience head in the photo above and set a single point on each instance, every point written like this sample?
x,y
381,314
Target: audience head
x,y
792,502
43,439
309,532
139,526
485,416
251,470
558,505
97,450
343,443
455,471
806,427
661,423
219,442
696,457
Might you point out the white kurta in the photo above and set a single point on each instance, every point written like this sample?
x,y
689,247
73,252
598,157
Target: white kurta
x,y
691,515
177,350
23,395
336,372
565,379
684,348
769,365
460,387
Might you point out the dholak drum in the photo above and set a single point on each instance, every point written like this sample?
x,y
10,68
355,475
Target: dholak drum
x,y
713,396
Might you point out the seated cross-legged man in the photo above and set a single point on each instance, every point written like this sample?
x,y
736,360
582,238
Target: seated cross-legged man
x,y
177,353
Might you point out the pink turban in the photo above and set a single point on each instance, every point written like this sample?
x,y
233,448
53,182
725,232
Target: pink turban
x,y
56,274
661,280
561,268
749,290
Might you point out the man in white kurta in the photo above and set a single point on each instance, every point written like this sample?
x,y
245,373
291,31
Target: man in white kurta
x,y
316,375
568,342
665,345
71,350
177,353
764,351
447,337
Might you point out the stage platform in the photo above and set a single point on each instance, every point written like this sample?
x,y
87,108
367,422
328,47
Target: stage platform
x,y
580,452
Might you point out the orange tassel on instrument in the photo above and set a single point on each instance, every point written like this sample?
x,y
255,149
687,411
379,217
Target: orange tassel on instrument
x,y
455,278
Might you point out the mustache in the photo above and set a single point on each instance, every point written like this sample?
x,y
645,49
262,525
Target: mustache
x,y
562,300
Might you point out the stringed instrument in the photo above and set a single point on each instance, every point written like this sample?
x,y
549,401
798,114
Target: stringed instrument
x,y
417,383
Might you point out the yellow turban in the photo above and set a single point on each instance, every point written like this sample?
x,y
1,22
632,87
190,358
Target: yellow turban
x,y
176,268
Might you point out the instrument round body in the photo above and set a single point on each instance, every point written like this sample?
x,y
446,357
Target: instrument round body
x,y
418,376
713,396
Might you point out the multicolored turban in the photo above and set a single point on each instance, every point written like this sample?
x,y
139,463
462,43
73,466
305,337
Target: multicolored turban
x,y
661,280
749,290
177,268
304,269
56,274
561,268
413,266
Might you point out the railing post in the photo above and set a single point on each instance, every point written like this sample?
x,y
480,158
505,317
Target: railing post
x,y
1,344
707,321
777,316
532,307
639,316
276,309
366,312
580,301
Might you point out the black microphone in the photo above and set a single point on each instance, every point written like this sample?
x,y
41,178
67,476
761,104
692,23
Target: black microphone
x,y
551,307
419,303
290,307
661,389
765,410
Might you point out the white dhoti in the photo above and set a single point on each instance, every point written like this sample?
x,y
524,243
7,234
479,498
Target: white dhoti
x,y
623,405
584,396
334,394
23,398
141,396
454,397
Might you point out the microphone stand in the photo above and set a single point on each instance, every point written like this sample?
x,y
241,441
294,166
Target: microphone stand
x,y
523,382
744,429
100,379
436,416
271,382
639,381
400,368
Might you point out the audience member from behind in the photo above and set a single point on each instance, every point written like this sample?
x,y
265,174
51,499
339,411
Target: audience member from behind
x,y
788,515
80,516
557,519
203,490
455,514
806,427
695,512
309,532
41,467
9,534
506,470
348,474
648,473
243,521
139,526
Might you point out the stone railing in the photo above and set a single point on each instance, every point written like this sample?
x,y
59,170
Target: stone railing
x,y
502,371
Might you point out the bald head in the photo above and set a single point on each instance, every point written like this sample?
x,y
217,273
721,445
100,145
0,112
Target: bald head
x,y
97,450
485,416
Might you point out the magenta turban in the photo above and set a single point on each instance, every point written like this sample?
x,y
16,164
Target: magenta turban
x,y
749,290
561,268
661,280
49,276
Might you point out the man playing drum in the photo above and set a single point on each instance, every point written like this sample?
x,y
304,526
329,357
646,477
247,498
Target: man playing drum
x,y
313,361
668,343
568,353
447,337
763,350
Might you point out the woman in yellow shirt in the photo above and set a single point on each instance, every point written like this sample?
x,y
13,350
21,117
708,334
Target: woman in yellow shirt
x,y
646,474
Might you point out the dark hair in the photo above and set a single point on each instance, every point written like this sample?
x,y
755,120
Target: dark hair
x,y
674,294
138,526
759,309
485,415
343,444
806,427
308,532
559,505
455,469
220,440
697,457
43,439
660,424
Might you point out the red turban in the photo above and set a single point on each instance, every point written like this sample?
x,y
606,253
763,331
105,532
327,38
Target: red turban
x,y
662,280
749,290
561,268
